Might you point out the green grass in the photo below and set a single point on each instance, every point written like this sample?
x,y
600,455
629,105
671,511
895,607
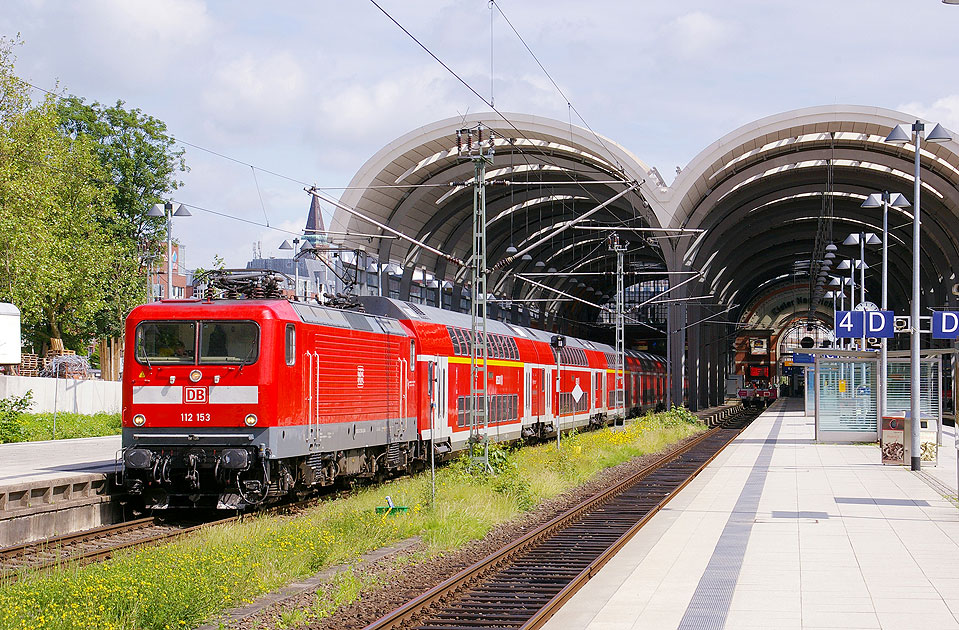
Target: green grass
x,y
39,426
181,584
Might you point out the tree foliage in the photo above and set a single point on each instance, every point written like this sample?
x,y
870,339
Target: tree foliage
x,y
75,181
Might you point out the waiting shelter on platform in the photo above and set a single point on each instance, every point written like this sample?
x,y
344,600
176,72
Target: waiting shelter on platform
x,y
852,396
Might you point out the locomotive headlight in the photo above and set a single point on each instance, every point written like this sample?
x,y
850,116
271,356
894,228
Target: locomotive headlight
x,y
250,419
195,376
139,419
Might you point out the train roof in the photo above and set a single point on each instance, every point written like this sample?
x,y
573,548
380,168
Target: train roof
x,y
399,309
381,315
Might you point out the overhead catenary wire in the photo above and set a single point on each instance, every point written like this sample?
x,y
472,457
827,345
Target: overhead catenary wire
x,y
569,103
254,168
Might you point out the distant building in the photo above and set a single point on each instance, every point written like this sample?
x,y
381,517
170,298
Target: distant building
x,y
157,273
314,273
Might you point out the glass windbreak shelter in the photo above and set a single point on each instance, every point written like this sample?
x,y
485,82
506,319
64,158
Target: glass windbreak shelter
x,y
847,396
898,388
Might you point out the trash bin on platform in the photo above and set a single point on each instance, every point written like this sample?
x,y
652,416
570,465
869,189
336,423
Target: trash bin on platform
x,y
892,444
928,440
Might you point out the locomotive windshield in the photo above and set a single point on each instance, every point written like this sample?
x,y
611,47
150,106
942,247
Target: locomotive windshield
x,y
229,342
166,342
220,343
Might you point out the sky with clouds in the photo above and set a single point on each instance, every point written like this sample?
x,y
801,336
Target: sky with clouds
x,y
312,89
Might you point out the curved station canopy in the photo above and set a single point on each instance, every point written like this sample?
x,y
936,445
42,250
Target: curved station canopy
x,y
750,232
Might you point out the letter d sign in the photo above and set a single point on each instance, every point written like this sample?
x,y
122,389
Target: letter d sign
x,y
945,324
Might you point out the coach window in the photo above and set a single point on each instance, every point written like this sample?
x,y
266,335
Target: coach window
x,y
290,344
412,355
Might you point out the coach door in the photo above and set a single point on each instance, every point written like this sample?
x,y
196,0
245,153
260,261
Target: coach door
x,y
527,391
400,422
439,399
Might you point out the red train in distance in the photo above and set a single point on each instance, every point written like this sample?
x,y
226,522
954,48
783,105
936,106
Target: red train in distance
x,y
239,402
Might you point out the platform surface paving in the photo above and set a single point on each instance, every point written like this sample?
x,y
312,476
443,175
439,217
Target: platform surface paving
x,y
28,462
782,532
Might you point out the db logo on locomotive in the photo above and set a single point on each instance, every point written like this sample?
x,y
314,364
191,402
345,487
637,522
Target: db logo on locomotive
x,y
194,394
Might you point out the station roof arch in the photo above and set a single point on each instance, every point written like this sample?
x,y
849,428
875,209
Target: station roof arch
x,y
766,190
767,196
419,185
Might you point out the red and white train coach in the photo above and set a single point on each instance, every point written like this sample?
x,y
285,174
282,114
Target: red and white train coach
x,y
235,402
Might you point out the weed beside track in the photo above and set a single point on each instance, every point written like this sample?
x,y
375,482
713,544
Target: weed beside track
x,y
178,585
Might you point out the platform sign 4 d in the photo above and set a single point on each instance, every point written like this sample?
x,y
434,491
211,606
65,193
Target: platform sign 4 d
x,y
856,324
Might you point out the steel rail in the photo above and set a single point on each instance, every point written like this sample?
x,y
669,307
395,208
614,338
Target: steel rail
x,y
401,617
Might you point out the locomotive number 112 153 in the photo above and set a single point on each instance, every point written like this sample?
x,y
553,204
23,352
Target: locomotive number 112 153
x,y
194,417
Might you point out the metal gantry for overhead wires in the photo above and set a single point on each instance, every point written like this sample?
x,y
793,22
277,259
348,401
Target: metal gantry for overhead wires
x,y
471,145
620,385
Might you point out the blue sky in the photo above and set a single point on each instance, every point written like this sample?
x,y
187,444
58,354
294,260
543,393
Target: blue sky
x,y
311,90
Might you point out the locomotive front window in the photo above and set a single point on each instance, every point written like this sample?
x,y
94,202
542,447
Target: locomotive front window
x,y
166,343
229,342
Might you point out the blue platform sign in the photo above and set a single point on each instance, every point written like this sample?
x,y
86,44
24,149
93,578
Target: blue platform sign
x,y
945,324
880,324
849,324
803,357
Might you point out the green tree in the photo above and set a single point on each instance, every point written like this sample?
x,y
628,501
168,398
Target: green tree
x,y
141,158
142,162
59,264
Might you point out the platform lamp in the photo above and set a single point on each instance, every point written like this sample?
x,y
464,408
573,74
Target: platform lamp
x,y
884,200
166,209
862,239
899,136
305,249
287,245
836,281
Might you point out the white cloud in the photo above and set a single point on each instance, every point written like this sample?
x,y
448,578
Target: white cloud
x,y
313,88
944,110
255,87
697,34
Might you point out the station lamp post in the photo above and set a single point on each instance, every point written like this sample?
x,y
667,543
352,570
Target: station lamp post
x,y
862,239
884,200
851,264
839,284
899,136
166,209
296,263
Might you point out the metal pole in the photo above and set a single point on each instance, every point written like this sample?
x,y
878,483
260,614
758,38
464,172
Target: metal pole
x,y
862,285
852,290
559,403
168,208
669,361
917,129
296,269
432,375
621,338
862,300
883,358
479,153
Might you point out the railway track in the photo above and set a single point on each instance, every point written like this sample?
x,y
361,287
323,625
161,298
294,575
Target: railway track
x,y
91,545
526,582
101,543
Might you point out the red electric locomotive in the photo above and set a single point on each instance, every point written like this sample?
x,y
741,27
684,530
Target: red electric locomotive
x,y
233,403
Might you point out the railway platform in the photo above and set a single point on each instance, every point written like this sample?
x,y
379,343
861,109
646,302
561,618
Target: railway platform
x,y
56,487
782,532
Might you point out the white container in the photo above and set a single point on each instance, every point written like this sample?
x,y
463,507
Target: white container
x,y
9,334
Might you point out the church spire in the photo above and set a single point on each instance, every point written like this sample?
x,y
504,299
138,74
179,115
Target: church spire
x,y
315,231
